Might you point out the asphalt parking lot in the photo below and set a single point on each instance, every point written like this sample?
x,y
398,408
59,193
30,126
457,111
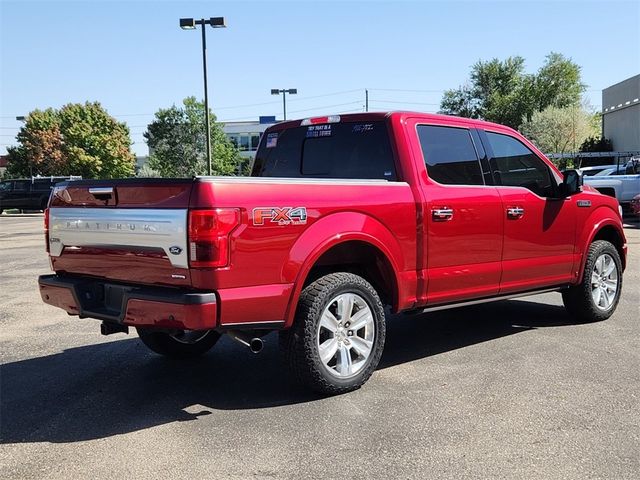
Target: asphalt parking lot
x,y
509,390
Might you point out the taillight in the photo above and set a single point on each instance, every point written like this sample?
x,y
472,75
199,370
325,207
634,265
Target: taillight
x,y
209,232
46,228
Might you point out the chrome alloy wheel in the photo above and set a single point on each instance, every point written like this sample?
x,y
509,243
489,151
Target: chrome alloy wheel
x,y
604,282
189,337
345,335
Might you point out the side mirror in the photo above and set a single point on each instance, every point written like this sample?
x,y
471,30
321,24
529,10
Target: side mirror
x,y
571,184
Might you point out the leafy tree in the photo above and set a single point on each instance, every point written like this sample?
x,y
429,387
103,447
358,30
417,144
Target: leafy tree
x,y
559,130
596,144
500,90
147,172
558,83
78,139
177,143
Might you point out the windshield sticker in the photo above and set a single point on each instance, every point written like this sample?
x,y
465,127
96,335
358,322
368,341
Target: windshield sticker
x,y
364,127
272,140
315,131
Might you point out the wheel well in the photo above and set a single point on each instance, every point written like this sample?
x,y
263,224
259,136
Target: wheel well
x,y
610,192
611,235
362,259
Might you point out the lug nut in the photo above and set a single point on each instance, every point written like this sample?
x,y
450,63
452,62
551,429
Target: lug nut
x,y
350,333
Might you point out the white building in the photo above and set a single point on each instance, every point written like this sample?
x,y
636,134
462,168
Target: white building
x,y
246,135
621,114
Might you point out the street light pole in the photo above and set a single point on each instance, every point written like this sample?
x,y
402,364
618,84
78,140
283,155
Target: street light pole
x,y
206,99
190,24
284,91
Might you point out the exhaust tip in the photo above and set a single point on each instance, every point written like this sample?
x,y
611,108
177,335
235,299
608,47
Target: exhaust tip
x,y
256,345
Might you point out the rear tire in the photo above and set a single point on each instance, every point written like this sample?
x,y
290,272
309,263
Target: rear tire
x,y
596,298
338,335
181,344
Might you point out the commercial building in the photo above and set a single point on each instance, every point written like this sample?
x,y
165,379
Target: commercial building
x,y
246,135
621,114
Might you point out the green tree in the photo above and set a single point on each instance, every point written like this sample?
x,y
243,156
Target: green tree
x,y
596,144
559,130
78,139
500,90
177,143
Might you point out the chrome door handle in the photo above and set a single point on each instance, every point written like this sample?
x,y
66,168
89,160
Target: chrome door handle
x,y
442,214
515,212
101,193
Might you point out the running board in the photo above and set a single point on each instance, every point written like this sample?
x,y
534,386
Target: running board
x,y
486,300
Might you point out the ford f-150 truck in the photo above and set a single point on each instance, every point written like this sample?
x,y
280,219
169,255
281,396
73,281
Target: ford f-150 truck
x,y
344,220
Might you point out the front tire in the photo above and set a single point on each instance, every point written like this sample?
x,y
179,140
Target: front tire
x,y
338,335
179,344
596,298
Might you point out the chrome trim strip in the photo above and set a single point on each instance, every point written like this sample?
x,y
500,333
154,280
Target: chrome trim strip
x,y
489,299
109,227
274,324
303,181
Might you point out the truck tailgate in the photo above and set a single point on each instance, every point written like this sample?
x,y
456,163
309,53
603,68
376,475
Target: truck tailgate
x,y
123,230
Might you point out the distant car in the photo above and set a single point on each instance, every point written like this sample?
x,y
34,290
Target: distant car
x,y
28,193
635,205
594,170
610,171
601,170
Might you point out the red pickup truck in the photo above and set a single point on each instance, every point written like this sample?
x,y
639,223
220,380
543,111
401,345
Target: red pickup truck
x,y
344,220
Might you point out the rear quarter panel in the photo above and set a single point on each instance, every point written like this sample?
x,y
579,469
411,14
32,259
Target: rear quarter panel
x,y
381,213
273,253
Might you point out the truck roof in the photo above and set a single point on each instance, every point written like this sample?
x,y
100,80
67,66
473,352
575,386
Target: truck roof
x,y
371,116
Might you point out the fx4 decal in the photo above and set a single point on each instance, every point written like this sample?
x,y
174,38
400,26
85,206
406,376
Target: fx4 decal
x,y
280,216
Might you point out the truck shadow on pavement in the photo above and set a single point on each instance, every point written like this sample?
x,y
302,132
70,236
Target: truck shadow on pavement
x,y
117,387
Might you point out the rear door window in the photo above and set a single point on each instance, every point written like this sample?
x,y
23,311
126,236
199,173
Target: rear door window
x,y
449,155
354,150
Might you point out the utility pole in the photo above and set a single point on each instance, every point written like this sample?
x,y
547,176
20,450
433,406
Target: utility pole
x,y
366,100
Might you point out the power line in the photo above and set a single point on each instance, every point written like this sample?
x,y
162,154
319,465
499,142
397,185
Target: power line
x,y
402,102
326,106
327,95
405,90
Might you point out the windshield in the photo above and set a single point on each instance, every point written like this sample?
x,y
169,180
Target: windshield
x,y
339,150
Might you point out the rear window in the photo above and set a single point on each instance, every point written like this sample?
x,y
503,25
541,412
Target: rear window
x,y
449,155
333,150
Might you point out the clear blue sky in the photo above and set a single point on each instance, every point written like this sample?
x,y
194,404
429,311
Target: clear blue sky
x,y
133,58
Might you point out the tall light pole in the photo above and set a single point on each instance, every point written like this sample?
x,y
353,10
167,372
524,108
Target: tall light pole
x,y
284,91
190,24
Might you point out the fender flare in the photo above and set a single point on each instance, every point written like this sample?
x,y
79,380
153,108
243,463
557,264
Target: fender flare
x,y
600,218
325,234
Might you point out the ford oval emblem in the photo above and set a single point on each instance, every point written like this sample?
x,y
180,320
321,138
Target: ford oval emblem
x,y
175,250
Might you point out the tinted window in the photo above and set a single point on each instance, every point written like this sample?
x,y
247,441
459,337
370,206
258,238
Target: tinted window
x,y
5,186
450,156
513,164
21,186
336,150
42,185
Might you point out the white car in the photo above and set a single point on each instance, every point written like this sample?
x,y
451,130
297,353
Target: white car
x,y
622,183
